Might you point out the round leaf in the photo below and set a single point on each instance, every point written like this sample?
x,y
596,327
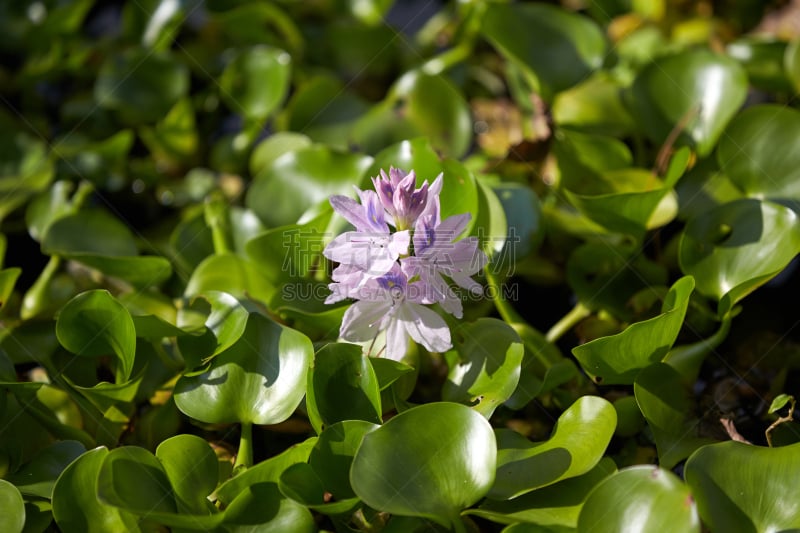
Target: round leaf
x,y
736,247
430,461
142,85
192,469
639,499
260,379
342,386
12,518
75,504
132,479
760,152
298,180
742,488
559,48
580,438
94,323
90,231
256,81
695,89
37,477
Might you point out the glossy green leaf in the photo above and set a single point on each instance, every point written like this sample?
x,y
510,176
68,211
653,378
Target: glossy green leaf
x,y
617,359
342,386
253,497
737,247
231,274
140,271
556,505
94,323
89,231
491,226
486,365
594,105
523,215
12,519
274,146
299,180
191,467
302,484
558,48
76,507
141,85
132,478
174,139
37,477
779,402
667,407
260,379
418,105
332,455
155,22
577,444
256,81
758,155
696,91
430,461
225,323
639,499
745,488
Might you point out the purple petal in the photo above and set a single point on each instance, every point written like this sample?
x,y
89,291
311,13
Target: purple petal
x,y
362,321
351,210
425,327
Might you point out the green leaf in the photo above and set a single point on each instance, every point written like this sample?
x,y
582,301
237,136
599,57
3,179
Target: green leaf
x,y
37,477
430,461
192,469
141,85
302,484
90,231
418,104
556,505
594,105
758,153
225,323
260,379
696,91
523,213
779,402
231,274
76,507
579,440
667,407
256,81
556,47
274,146
132,478
742,488
332,455
12,519
342,386
174,138
94,323
639,499
301,179
733,249
617,359
486,365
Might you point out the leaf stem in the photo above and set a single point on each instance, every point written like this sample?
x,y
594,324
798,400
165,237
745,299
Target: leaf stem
x,y
788,418
567,322
35,300
504,308
244,459
687,359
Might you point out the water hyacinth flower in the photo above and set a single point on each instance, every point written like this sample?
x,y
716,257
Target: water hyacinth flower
x,y
395,274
